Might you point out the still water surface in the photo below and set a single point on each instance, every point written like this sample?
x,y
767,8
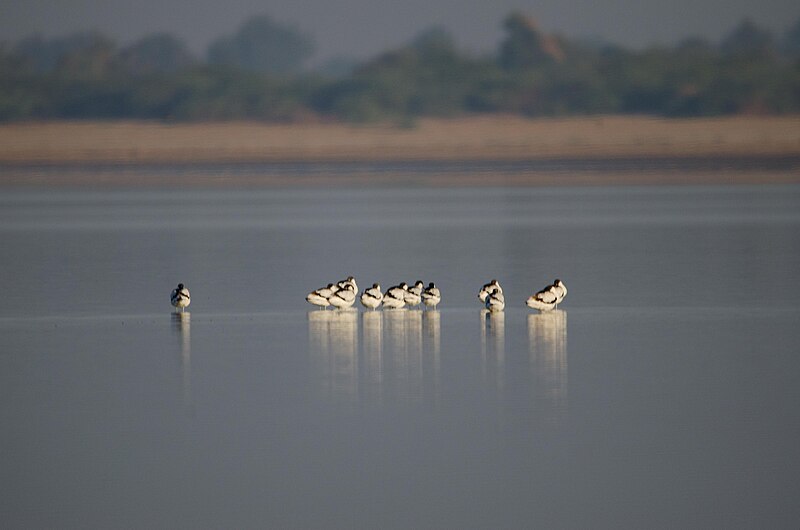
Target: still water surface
x,y
663,394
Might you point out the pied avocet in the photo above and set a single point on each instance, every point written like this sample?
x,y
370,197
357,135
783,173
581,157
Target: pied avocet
x,y
489,287
495,301
372,297
180,297
395,297
431,296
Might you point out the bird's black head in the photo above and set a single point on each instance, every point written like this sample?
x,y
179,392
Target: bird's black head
x,y
180,286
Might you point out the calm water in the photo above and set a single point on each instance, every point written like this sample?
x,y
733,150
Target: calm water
x,y
664,394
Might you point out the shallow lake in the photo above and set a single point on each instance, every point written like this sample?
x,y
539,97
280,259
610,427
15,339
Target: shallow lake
x,y
663,394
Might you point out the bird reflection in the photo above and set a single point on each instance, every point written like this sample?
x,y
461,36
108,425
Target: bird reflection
x,y
344,352
333,340
182,323
397,360
412,355
431,349
372,370
414,358
493,347
397,354
319,345
319,335
547,347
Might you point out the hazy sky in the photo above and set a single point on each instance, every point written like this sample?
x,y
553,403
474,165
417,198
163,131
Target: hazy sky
x,y
361,28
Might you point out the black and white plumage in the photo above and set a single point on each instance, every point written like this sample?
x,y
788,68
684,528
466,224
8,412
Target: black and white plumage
x,y
560,290
343,298
372,297
413,295
395,297
349,281
321,297
431,296
548,298
488,288
544,300
495,301
180,297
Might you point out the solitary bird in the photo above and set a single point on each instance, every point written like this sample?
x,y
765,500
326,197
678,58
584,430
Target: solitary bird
x,y
495,301
488,288
395,297
413,295
372,297
343,298
321,297
180,297
431,296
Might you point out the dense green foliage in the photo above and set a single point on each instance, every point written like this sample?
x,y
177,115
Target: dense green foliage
x,y
262,45
253,74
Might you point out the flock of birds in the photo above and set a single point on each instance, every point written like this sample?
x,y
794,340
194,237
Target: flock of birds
x,y
547,299
343,294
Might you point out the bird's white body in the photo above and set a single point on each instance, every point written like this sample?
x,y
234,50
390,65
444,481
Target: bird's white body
x,y
395,297
431,296
560,290
413,295
343,298
180,298
548,298
372,297
488,288
321,297
495,301
544,300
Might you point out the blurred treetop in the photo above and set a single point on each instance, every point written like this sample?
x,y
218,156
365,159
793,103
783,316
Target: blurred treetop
x,y
259,72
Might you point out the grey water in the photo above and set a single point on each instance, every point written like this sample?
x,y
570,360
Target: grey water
x,y
663,393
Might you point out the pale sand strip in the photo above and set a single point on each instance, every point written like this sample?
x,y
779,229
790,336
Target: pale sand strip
x,y
476,138
221,177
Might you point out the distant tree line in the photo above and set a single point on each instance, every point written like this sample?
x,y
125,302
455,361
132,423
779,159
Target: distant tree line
x,y
258,73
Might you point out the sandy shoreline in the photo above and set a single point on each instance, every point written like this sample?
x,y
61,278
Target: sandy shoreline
x,y
597,150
